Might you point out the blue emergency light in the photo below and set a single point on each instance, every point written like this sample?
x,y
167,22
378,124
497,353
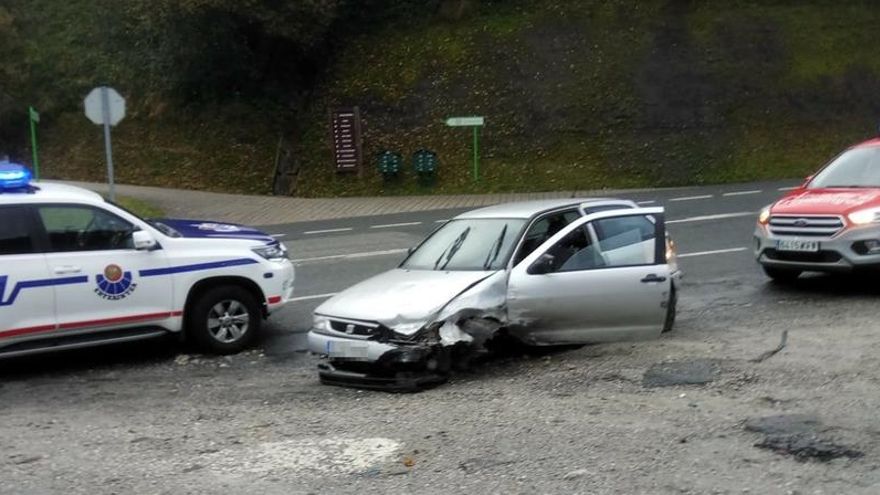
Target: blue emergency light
x,y
14,176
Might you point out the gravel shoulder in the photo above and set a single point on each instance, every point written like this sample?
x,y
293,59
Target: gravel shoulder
x,y
675,415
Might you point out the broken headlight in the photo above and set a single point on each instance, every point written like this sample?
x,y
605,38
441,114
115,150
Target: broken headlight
x,y
320,322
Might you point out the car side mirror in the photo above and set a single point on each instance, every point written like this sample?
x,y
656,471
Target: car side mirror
x,y
143,240
542,265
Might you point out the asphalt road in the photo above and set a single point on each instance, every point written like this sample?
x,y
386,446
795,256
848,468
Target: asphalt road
x,y
699,410
712,227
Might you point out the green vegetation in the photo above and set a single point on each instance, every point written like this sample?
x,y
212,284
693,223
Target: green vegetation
x,y
143,209
576,93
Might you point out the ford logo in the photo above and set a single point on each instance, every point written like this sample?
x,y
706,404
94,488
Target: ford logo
x,y
801,222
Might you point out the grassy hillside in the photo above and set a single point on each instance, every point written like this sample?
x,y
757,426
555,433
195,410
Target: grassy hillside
x,y
576,94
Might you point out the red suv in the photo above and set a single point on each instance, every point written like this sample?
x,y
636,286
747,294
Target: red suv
x,y
831,223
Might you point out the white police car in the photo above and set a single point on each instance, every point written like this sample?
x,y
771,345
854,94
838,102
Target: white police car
x,y
78,271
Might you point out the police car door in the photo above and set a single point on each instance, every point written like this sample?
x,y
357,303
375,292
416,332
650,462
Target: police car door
x,y
87,241
27,300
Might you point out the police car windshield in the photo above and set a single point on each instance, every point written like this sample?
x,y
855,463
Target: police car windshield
x,y
858,167
161,227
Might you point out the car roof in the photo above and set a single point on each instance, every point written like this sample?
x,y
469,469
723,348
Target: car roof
x,y
49,192
528,209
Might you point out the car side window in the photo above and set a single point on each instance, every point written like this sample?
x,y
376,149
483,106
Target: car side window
x,y
15,232
543,229
84,228
626,241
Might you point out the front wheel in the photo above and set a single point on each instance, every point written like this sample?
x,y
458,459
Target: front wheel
x,y
224,320
782,275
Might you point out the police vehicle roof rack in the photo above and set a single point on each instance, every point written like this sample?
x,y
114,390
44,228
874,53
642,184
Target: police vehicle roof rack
x,y
15,178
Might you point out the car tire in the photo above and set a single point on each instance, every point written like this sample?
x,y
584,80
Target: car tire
x,y
782,275
671,310
224,320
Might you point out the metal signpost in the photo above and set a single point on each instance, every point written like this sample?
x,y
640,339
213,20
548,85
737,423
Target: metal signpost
x,y
104,106
476,123
34,118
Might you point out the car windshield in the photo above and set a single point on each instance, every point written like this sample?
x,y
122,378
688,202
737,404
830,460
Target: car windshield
x,y
858,167
467,244
161,227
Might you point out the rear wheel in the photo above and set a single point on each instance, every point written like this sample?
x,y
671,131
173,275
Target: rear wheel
x,y
782,275
224,320
671,310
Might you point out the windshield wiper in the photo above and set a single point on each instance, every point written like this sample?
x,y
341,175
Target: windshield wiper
x,y
453,248
496,246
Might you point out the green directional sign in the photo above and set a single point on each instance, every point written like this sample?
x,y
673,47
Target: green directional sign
x,y
476,123
464,121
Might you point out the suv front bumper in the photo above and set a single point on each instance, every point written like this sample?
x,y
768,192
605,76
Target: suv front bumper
x,y
844,252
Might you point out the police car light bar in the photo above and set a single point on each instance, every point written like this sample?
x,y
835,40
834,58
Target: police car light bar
x,y
14,176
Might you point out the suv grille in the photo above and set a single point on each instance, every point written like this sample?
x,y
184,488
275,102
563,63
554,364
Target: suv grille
x,y
806,226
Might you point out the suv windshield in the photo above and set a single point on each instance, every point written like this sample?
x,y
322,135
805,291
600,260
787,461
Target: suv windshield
x,y
858,167
467,244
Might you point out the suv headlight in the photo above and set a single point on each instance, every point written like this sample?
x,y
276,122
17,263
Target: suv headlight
x,y
764,216
866,216
273,252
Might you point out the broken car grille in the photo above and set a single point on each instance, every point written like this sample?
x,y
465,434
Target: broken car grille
x,y
805,226
363,329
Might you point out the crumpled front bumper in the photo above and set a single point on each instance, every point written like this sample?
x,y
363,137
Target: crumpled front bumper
x,y
362,363
836,254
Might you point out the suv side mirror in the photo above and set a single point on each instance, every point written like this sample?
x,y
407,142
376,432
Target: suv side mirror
x,y
143,240
542,265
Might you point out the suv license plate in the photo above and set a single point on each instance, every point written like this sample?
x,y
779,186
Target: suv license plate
x,y
797,245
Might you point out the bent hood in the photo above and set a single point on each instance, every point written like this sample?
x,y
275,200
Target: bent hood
x,y
202,229
835,201
403,300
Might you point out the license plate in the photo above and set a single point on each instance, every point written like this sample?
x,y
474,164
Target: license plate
x,y
339,349
797,245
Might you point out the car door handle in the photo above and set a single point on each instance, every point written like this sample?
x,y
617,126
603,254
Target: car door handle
x,y
67,269
653,278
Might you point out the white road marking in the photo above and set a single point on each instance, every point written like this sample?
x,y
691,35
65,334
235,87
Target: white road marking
x,y
717,251
309,298
351,255
787,188
390,225
276,236
441,221
328,231
646,202
712,217
692,198
742,193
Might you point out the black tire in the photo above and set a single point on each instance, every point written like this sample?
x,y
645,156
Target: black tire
x,y
231,335
671,310
782,275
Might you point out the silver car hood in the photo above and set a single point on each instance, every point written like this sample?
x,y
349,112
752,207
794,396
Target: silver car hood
x,y
405,300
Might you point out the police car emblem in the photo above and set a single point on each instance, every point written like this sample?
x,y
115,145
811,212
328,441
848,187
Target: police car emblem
x,y
114,284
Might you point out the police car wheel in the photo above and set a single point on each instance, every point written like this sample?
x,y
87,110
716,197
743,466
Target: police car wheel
x,y
224,320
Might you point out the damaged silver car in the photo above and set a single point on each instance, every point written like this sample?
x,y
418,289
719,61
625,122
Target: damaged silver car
x,y
555,272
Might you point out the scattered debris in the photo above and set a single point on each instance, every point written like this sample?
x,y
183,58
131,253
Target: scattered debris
x,y
27,460
181,360
694,372
799,435
772,352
